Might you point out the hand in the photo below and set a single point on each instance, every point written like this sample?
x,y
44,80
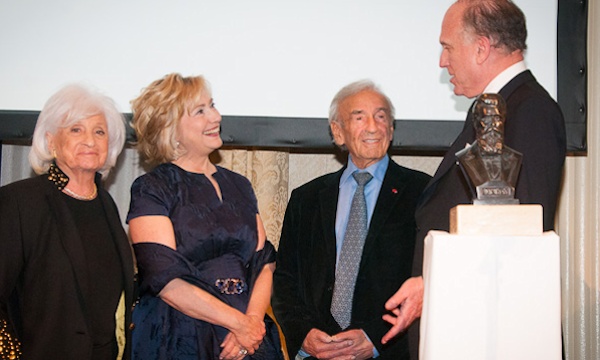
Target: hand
x,y
318,342
250,333
406,304
347,345
231,349
360,347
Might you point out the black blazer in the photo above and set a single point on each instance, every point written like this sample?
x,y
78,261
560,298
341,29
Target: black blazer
x,y
42,270
305,274
535,127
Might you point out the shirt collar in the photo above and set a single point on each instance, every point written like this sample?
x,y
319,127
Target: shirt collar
x,y
377,170
504,77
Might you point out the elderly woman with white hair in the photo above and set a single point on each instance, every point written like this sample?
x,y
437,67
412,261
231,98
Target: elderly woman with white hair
x,y
65,261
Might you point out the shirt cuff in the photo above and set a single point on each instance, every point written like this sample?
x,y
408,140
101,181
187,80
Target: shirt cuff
x,y
301,355
375,352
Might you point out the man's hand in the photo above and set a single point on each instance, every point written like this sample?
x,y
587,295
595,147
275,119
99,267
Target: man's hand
x,y
321,345
347,345
360,349
406,304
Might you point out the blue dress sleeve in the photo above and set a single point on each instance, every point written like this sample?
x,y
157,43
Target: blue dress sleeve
x,y
149,197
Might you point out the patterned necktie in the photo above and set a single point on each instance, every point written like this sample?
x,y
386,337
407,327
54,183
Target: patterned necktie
x,y
349,261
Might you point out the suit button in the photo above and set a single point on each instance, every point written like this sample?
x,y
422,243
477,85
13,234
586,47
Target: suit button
x,y
131,326
330,288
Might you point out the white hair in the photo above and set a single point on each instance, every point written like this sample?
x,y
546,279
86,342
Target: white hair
x,y
70,104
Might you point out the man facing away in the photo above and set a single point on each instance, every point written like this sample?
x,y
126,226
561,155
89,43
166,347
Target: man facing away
x,y
483,42
341,258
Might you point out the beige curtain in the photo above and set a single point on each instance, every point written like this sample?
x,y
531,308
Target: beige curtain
x,y
578,224
268,172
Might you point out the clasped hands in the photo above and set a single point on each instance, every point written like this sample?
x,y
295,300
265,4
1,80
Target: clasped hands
x,y
244,339
347,345
405,305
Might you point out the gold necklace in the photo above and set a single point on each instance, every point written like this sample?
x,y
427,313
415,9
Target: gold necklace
x,y
74,195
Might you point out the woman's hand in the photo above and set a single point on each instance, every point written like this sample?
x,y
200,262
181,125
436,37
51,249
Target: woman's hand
x,y
250,332
231,349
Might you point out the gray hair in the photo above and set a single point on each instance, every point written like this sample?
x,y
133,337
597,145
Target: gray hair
x,y
353,89
73,103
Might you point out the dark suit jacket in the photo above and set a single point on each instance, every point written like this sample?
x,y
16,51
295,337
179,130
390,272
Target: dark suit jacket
x,y
43,279
535,127
305,274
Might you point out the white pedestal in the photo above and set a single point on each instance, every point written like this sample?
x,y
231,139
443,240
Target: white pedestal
x,y
497,220
491,297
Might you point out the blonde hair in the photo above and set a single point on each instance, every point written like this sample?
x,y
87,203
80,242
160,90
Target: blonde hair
x,y
73,103
158,111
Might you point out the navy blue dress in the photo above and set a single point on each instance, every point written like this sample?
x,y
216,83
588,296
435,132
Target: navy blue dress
x,y
216,251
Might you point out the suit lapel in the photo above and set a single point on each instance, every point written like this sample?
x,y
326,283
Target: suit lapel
x,y
328,198
467,135
391,191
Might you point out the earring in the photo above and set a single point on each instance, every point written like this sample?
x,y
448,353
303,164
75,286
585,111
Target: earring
x,y
54,153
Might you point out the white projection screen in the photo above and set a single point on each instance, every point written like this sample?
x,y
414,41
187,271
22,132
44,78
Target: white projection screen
x,y
264,58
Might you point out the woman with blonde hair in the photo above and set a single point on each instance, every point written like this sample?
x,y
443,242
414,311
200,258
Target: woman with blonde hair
x,y
205,265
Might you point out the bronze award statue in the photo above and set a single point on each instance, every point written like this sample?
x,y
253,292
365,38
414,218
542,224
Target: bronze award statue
x,y
490,167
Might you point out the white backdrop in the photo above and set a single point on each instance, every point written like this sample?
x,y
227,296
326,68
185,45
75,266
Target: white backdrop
x,y
263,57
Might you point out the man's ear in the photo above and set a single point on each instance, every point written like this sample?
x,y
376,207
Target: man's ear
x,y
337,133
484,47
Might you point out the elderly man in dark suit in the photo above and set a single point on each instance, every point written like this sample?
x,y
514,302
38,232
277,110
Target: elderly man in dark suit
x,y
483,42
329,292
